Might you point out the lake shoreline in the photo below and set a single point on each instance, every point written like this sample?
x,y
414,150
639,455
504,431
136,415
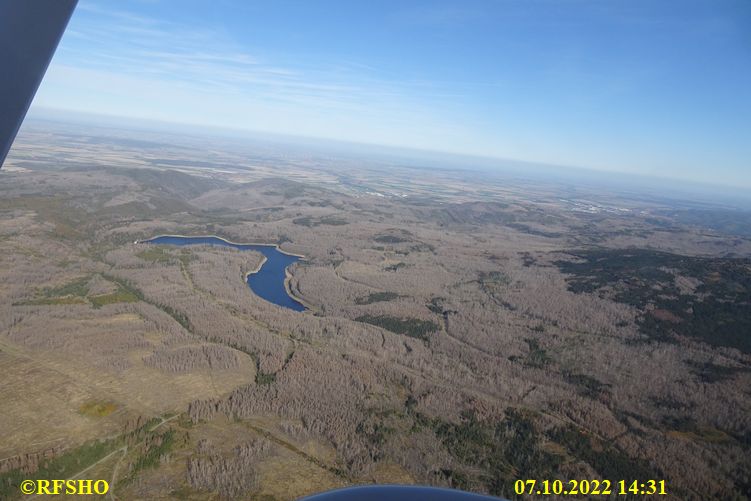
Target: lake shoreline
x,y
287,278
291,293
300,256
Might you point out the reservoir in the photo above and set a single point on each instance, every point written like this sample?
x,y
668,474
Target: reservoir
x,y
267,282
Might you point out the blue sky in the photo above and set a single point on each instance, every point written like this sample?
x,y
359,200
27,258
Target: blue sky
x,y
654,87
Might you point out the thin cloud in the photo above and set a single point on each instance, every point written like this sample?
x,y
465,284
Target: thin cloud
x,y
117,42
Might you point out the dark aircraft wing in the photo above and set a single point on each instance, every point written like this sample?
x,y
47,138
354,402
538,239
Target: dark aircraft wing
x,y
29,33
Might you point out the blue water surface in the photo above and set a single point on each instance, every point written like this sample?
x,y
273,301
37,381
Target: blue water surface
x,y
267,283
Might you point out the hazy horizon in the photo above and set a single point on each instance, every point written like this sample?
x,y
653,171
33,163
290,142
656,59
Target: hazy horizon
x,y
637,87
715,192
